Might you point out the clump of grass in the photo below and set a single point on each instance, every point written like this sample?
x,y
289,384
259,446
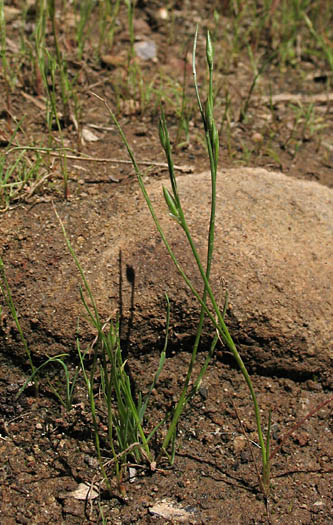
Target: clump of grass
x,y
125,413
53,70
208,301
8,75
23,172
107,24
85,14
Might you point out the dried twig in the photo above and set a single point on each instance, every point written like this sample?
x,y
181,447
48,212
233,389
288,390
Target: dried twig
x,y
184,169
284,98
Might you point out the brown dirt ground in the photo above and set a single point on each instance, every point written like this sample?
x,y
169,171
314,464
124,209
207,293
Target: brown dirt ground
x,y
47,451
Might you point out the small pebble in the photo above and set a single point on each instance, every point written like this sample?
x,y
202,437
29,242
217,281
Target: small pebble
x,y
239,444
257,137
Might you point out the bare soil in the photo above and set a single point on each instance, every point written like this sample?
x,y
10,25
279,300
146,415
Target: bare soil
x,y
46,451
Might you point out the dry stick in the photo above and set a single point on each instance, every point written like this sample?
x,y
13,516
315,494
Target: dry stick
x,y
36,101
185,169
300,423
37,184
284,438
86,158
152,464
30,193
288,434
284,98
128,449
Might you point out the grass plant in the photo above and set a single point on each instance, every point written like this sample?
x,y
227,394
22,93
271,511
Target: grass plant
x,y
126,433
8,76
66,398
17,178
257,73
125,413
86,7
53,67
208,301
322,40
130,4
58,63
108,13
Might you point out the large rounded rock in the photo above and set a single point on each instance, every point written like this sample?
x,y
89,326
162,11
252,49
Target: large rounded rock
x,y
273,252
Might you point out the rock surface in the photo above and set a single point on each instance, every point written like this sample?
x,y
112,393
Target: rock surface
x,y
273,252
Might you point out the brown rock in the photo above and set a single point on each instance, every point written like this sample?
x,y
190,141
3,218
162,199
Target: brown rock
x,y
273,253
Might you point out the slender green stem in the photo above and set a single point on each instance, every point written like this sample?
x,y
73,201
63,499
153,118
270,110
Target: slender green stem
x,y
213,165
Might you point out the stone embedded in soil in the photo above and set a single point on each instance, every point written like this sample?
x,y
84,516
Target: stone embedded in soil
x,y
273,252
145,49
170,510
239,444
82,492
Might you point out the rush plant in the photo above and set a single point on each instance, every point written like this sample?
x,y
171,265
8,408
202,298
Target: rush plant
x,y
208,301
